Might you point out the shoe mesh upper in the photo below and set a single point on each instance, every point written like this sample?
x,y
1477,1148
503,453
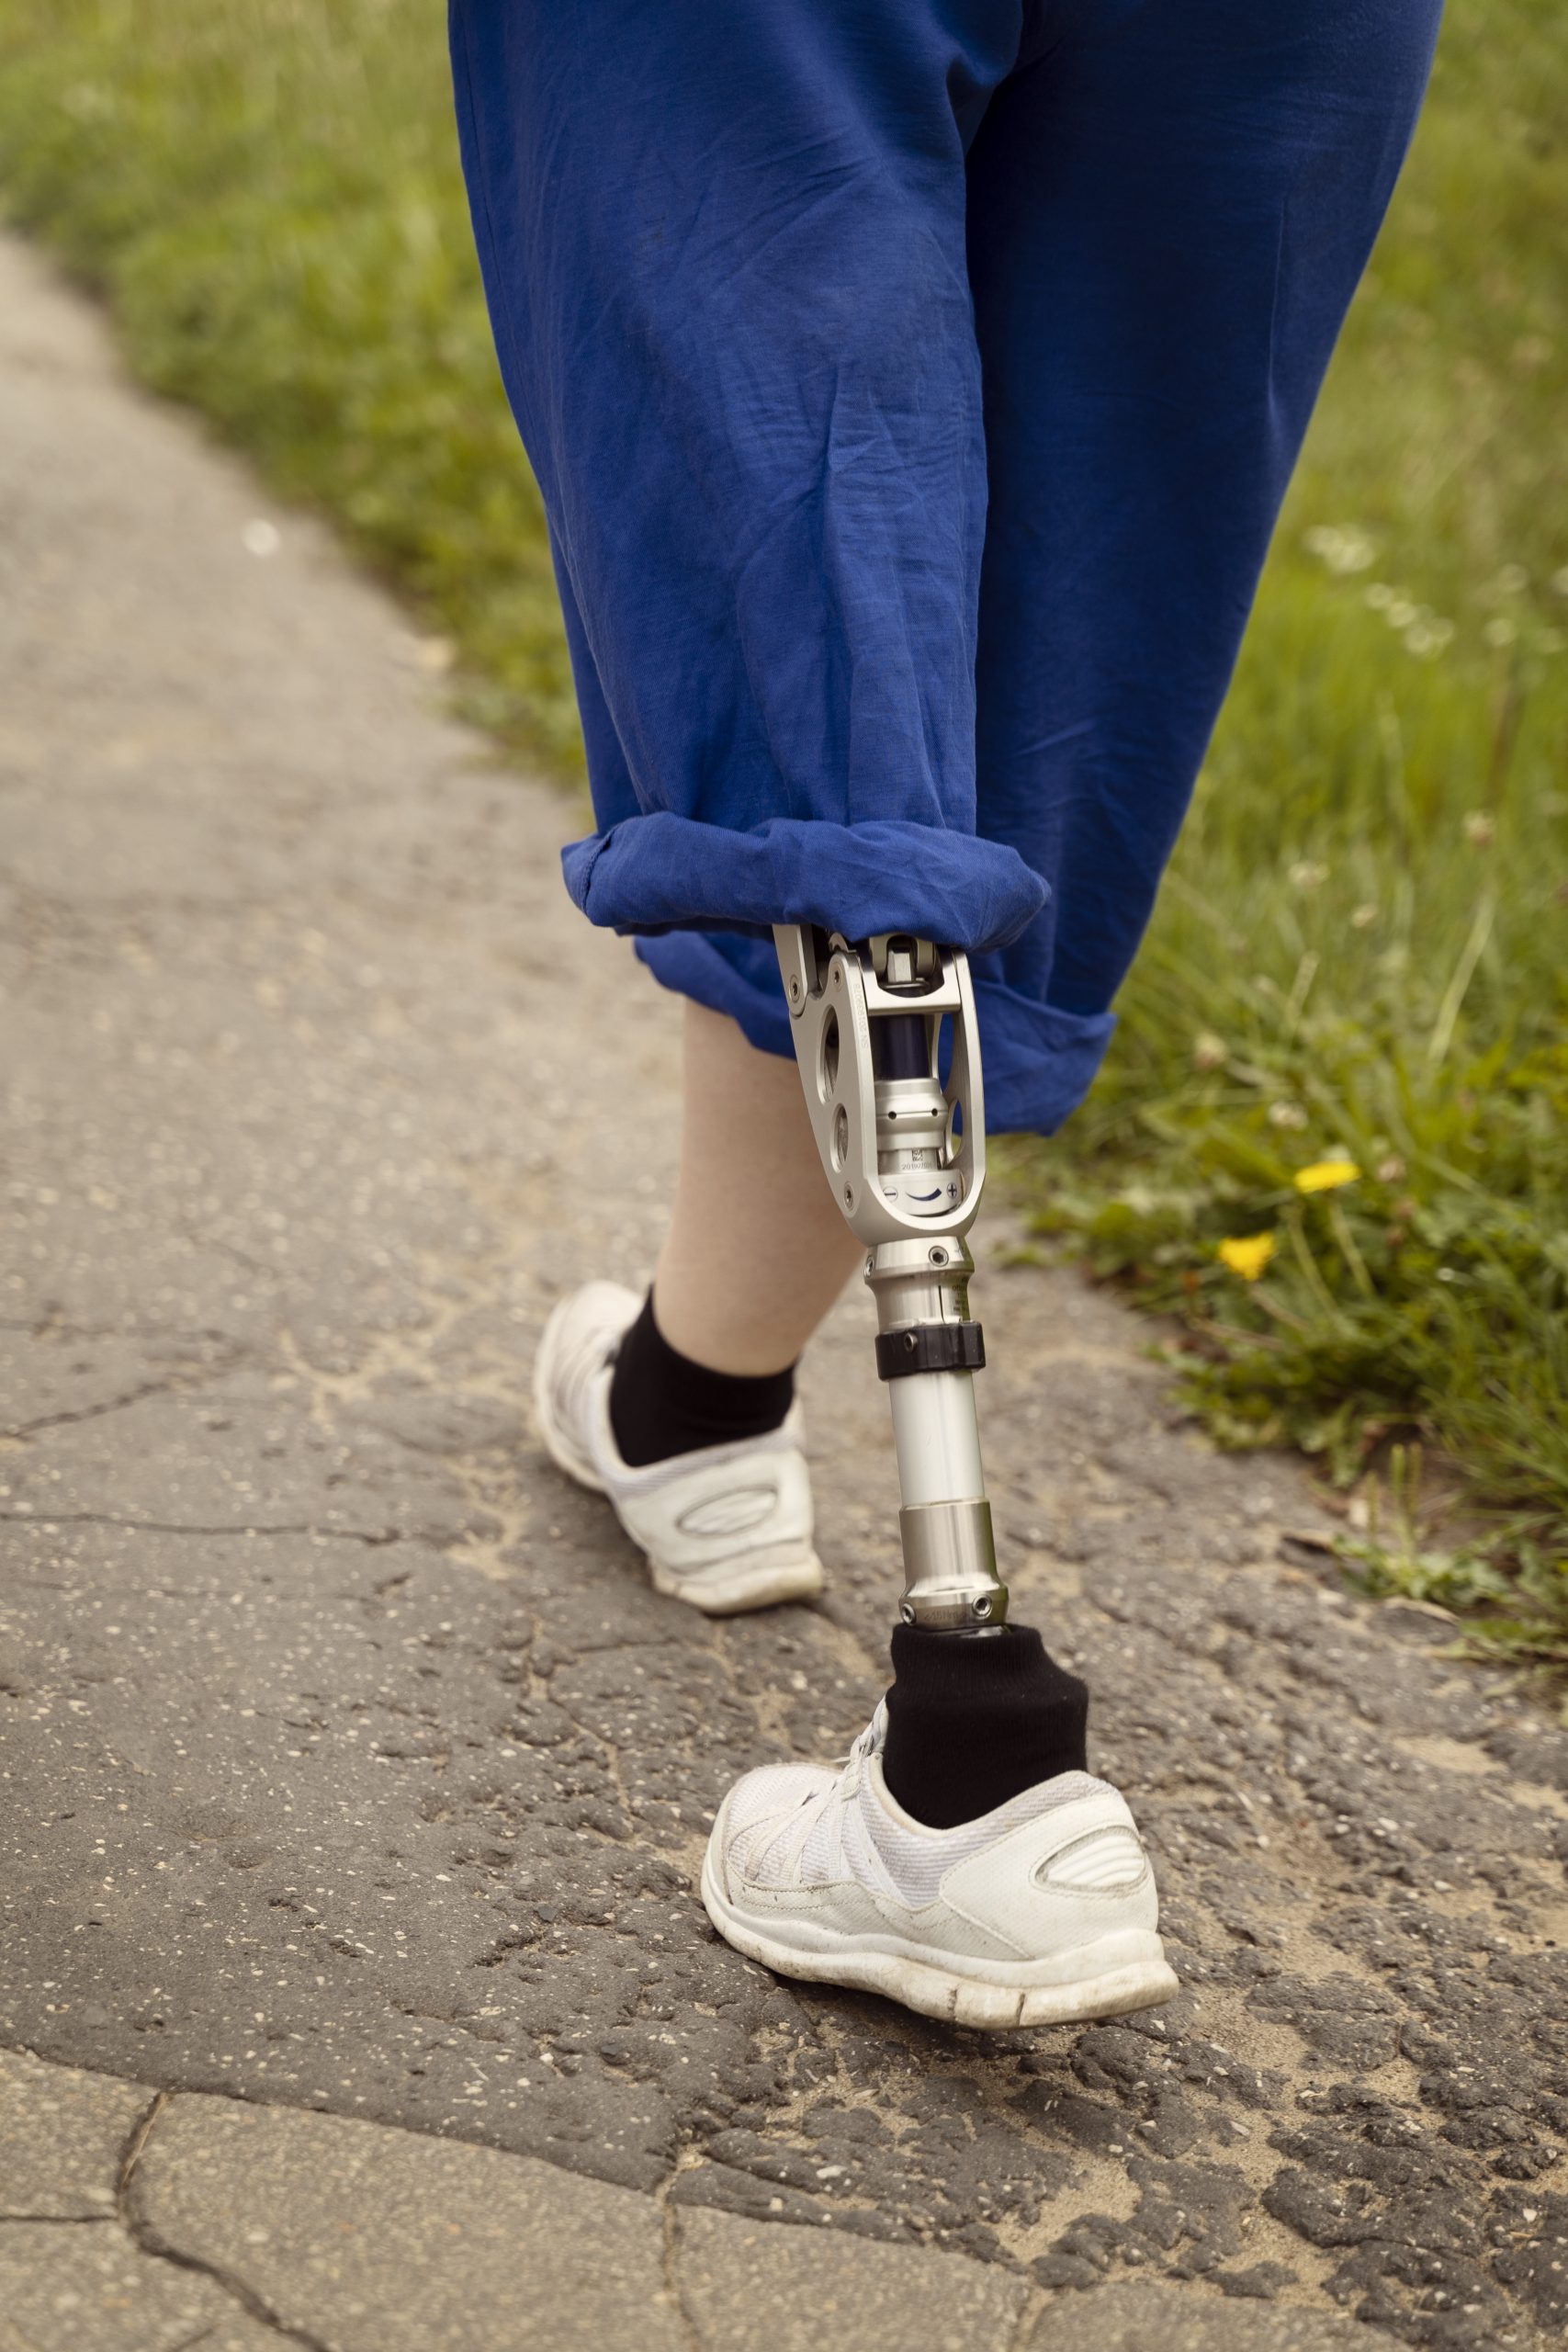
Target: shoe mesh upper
x,y
765,1808
797,1824
917,1862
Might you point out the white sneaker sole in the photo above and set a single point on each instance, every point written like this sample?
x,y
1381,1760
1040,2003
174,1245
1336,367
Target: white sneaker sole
x,y
759,1579
754,1580
1106,1979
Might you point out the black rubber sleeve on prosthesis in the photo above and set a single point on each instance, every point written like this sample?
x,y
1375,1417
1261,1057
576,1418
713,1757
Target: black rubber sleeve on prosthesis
x,y
931,1346
973,1719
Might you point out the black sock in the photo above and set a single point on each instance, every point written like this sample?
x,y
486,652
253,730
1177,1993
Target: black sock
x,y
974,1718
661,1403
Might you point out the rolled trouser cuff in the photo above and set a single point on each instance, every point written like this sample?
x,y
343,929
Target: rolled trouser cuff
x,y
661,872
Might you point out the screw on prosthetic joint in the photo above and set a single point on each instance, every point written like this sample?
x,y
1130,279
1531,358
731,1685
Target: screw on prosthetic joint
x,y
906,1156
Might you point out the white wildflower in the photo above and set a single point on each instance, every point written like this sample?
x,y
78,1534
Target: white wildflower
x,y
1427,634
1340,551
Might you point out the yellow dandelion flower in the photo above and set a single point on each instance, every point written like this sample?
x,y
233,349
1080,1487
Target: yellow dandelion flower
x,y
1326,1175
1248,1254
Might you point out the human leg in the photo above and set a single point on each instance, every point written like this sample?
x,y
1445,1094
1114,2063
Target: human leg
x,y
756,1249
762,771
682,1412
755,1255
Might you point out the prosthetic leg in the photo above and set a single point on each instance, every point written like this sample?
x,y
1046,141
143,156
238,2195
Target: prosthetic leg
x,y
906,1157
852,1875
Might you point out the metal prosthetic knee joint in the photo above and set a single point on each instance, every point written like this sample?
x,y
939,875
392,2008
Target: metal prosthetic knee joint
x,y
906,1156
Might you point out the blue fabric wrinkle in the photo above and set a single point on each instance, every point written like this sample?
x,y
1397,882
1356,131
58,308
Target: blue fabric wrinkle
x,y
912,386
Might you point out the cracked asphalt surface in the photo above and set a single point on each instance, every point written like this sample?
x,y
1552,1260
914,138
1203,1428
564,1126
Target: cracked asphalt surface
x,y
353,1782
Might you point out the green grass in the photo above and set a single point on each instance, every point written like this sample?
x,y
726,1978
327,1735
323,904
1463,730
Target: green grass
x,y
1363,946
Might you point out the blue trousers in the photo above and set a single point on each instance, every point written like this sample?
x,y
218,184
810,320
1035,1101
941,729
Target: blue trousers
x,y
912,386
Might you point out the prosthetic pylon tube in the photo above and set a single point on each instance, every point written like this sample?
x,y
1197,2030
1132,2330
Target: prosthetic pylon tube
x,y
906,1157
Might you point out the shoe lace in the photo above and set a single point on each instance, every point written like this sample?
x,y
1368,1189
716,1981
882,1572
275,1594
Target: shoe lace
x,y
871,1738
821,1801
580,1367
813,1807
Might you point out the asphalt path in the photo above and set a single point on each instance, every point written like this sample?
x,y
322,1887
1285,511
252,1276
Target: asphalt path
x,y
353,1774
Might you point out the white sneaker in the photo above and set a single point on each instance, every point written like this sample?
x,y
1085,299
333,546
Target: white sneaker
x,y
725,1528
1040,1913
